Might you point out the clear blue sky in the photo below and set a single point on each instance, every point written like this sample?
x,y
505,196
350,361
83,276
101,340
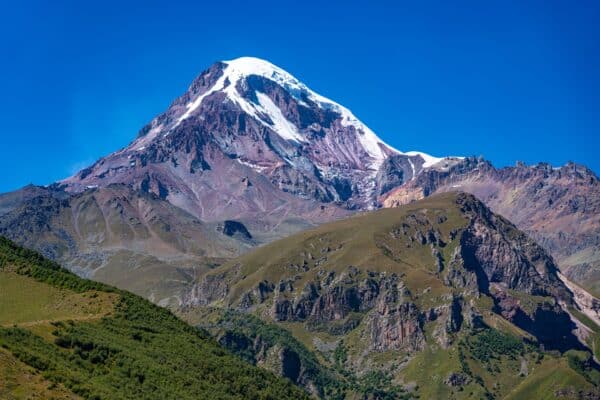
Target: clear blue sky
x,y
506,80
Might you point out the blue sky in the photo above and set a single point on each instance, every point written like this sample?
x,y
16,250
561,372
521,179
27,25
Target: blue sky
x,y
506,80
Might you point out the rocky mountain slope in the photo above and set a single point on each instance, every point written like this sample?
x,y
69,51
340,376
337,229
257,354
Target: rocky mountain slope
x,y
78,339
122,236
558,207
248,132
440,298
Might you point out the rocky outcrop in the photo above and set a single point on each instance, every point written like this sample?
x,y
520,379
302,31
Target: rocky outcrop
x,y
276,351
497,252
489,256
395,323
337,305
449,319
558,207
587,304
456,379
396,327
546,320
212,288
332,299
12,200
396,170
460,276
257,295
435,276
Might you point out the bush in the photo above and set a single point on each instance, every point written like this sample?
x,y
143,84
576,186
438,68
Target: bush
x,y
104,359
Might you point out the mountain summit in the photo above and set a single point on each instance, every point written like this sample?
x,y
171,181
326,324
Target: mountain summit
x,y
235,82
248,131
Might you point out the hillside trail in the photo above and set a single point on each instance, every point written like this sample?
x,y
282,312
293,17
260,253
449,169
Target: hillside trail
x,y
50,321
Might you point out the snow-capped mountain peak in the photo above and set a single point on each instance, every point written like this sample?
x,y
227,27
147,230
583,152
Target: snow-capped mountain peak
x,y
247,120
243,67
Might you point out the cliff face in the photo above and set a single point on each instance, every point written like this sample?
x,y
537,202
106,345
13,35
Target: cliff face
x,y
396,323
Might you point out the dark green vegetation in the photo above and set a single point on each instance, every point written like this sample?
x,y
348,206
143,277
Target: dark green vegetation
x,y
135,350
440,299
276,349
491,344
488,364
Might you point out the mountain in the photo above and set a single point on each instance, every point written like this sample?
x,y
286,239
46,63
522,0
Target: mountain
x,y
247,145
436,294
440,298
249,132
78,339
250,146
559,207
122,236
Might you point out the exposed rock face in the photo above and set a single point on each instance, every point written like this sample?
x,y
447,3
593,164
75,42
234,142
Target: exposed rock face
x,y
547,320
210,289
497,252
33,220
374,290
12,200
396,170
460,276
572,393
451,318
455,318
333,299
249,143
395,323
587,303
558,207
395,327
275,357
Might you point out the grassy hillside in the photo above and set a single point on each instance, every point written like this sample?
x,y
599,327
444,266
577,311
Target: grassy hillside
x,y
65,337
439,299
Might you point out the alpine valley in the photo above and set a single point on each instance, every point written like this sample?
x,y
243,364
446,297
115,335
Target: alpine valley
x,y
276,222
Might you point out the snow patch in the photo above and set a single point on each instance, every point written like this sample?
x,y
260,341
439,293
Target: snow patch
x,y
429,161
256,167
191,107
281,125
